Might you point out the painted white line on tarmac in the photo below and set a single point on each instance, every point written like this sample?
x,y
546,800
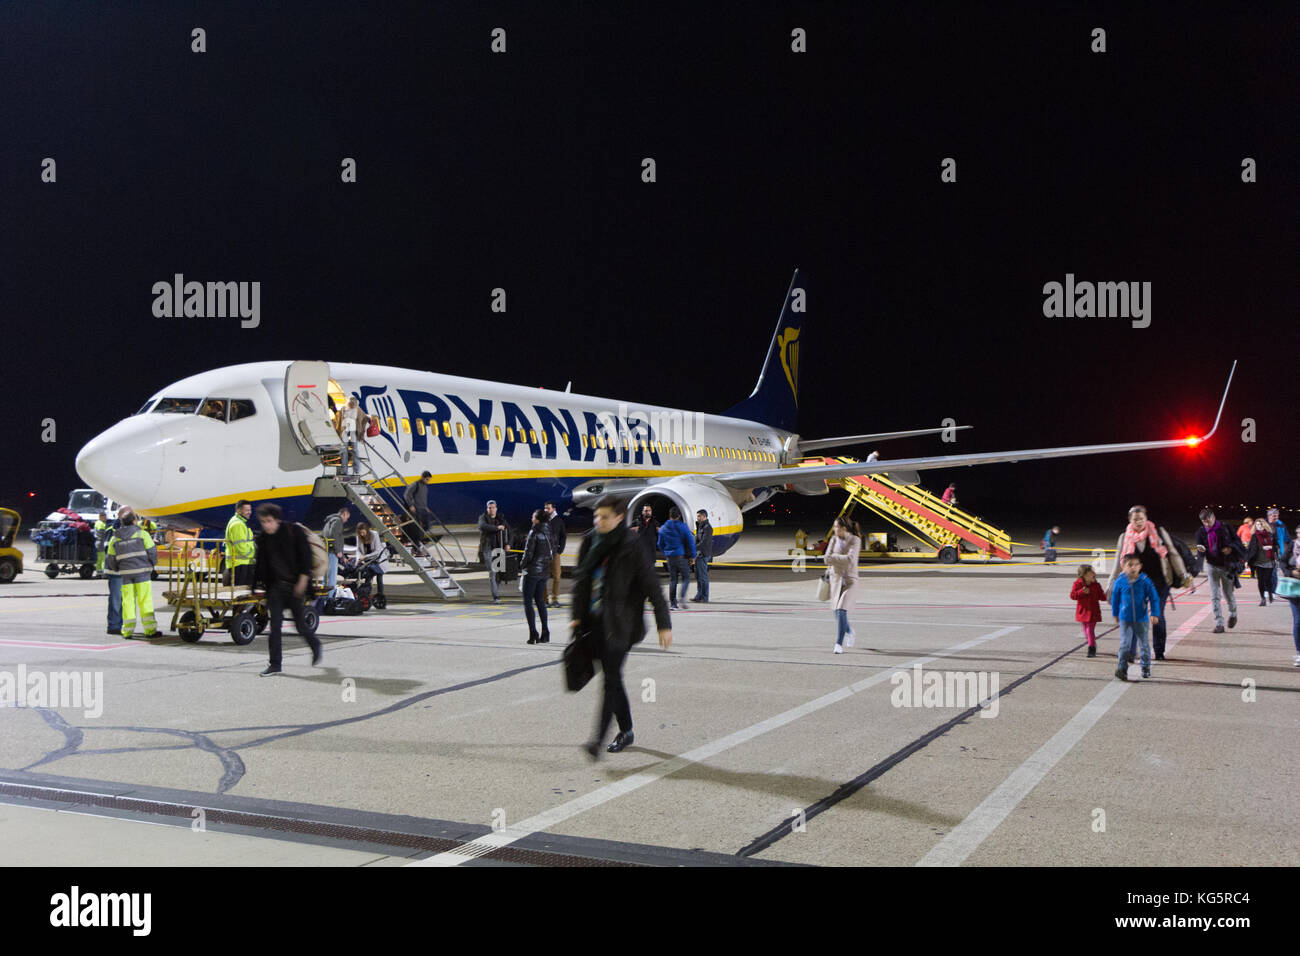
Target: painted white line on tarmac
x,y
565,811
966,837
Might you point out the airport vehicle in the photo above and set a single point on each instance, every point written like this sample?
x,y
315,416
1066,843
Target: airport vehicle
x,y
483,439
201,602
11,559
66,548
88,503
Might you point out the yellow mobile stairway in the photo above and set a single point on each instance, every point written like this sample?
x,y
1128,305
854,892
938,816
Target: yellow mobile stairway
x,y
923,516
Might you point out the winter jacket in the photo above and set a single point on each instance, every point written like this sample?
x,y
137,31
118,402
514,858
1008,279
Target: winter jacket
x,y
559,535
1224,539
1262,551
704,540
1089,598
333,533
493,533
675,539
538,550
1161,571
282,557
132,555
628,580
240,548
842,559
1129,599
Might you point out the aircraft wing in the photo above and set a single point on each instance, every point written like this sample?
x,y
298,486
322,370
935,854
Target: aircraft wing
x,y
802,474
806,474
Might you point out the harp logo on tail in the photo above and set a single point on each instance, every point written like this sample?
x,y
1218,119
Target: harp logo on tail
x,y
789,343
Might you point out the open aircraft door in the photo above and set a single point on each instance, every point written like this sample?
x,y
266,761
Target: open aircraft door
x,y
306,401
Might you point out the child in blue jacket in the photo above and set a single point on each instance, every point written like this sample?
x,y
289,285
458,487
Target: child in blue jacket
x,y
1132,594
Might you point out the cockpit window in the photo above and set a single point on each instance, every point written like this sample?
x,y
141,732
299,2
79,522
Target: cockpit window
x,y
145,407
241,408
177,406
214,408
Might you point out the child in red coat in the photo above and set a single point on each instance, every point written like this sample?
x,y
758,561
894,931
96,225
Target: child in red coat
x,y
1089,594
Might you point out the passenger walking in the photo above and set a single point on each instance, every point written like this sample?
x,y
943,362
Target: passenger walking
x,y
678,545
1279,532
535,571
842,552
1223,556
646,529
334,531
283,569
703,555
352,423
611,584
1049,544
493,543
240,549
559,538
1088,594
1261,555
1130,598
130,559
1160,561
372,554
950,495
416,499
1246,530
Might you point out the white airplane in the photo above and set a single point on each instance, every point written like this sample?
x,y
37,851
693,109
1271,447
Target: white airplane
x,y
256,431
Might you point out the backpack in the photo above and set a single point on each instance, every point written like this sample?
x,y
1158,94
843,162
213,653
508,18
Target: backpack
x,y
320,561
1191,560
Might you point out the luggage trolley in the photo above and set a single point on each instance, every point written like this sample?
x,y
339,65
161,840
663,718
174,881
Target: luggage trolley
x,y
202,601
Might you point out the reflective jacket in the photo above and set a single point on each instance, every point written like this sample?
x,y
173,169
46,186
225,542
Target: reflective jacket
x,y
240,548
132,555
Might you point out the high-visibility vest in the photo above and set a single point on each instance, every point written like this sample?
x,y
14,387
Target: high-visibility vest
x,y
240,548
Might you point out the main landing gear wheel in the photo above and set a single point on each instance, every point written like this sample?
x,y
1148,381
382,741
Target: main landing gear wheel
x,y
191,627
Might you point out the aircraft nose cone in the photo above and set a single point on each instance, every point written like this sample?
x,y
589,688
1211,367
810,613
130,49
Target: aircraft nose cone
x,y
125,463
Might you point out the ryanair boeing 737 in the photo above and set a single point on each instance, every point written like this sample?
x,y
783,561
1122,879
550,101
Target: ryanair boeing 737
x,y
259,430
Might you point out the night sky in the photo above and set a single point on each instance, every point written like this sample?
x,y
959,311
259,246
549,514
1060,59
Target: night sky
x,y
522,170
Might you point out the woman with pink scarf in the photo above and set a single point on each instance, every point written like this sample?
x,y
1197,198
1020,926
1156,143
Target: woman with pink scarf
x,y
1160,563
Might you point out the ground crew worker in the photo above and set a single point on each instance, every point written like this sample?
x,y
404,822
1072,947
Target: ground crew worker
x,y
241,551
132,556
101,529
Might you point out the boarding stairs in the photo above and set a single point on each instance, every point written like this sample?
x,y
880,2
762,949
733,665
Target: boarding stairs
x,y
424,553
925,517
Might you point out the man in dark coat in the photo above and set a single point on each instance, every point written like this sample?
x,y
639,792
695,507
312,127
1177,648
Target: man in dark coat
x,y
283,570
646,530
559,537
703,555
493,543
1224,557
612,582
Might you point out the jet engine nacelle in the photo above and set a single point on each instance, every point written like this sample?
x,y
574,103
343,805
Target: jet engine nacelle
x,y
694,494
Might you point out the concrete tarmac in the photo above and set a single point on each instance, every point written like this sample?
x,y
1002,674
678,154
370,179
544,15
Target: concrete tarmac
x,y
433,733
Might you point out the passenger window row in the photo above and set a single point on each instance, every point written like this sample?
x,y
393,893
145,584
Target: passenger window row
x,y
495,432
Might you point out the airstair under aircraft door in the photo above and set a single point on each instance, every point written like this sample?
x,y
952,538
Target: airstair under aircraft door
x,y
306,402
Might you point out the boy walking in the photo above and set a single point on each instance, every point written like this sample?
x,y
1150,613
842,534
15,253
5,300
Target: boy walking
x,y
1129,599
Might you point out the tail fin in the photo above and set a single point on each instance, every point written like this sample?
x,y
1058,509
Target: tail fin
x,y
775,399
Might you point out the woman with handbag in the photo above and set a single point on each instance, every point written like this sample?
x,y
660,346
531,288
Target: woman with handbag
x,y
842,553
1261,555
